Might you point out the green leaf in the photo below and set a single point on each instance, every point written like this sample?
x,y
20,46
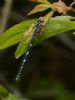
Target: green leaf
x,y
3,91
21,49
14,34
13,97
54,26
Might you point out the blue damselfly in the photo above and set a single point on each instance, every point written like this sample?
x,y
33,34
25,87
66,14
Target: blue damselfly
x,y
36,30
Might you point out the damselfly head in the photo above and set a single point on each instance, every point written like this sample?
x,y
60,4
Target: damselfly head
x,y
40,21
37,27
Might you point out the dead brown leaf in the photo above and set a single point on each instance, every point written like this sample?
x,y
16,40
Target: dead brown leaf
x,y
61,7
39,1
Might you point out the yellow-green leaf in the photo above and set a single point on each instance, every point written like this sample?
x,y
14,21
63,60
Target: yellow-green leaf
x,y
39,8
21,49
54,26
14,34
3,91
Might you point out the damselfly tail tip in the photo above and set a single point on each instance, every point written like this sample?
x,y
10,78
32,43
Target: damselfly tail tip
x,y
17,78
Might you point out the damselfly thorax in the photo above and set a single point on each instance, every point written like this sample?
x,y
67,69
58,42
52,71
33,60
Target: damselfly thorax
x,y
38,26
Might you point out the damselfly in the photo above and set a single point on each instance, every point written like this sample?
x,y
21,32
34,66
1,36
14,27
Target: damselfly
x,y
37,28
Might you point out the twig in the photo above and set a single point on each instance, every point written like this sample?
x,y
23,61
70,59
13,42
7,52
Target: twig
x,y
5,14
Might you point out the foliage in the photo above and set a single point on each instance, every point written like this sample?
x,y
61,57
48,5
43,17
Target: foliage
x,y
41,89
3,91
53,27
5,95
21,34
15,34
